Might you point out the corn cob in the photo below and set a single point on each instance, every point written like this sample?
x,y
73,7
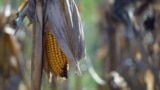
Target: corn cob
x,y
56,58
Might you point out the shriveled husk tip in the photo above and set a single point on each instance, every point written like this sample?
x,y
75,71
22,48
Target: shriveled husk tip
x,y
78,70
58,78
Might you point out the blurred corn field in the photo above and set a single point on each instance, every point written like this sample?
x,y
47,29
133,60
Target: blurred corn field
x,y
42,44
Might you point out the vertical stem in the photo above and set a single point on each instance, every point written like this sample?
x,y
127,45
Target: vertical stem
x,y
113,47
37,49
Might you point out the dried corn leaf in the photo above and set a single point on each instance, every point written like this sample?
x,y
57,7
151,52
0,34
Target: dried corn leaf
x,y
66,27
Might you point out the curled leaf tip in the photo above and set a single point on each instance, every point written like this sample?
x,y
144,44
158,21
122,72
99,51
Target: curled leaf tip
x,y
78,70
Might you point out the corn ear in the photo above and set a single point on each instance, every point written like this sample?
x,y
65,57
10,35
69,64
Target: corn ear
x,y
65,24
57,60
